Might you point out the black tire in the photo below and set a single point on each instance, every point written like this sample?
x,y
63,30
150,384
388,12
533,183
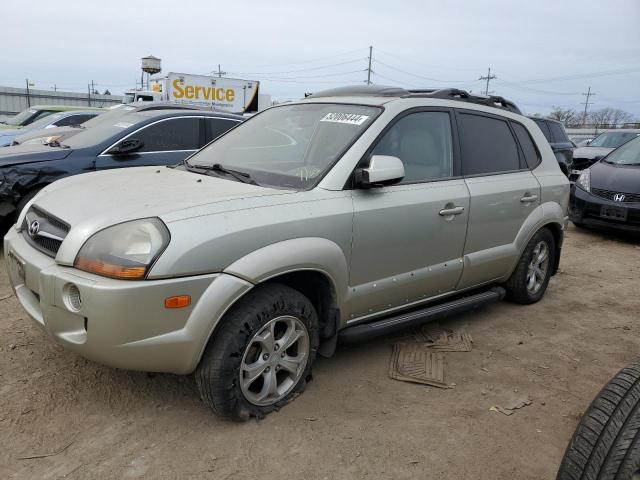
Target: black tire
x,y
516,286
606,444
218,372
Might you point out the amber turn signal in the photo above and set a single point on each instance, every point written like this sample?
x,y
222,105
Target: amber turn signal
x,y
110,270
180,301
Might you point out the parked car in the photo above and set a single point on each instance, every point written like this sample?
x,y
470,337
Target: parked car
x,y
37,112
598,148
555,134
62,119
607,195
606,443
129,139
581,141
346,215
60,133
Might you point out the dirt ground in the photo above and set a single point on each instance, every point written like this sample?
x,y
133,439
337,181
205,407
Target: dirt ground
x,y
353,421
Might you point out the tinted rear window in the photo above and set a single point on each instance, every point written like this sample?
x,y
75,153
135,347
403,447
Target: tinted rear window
x,y
487,145
545,130
558,132
531,155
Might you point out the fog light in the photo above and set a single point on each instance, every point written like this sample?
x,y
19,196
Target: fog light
x,y
72,298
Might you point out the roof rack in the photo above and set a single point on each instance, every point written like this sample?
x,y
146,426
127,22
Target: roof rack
x,y
444,93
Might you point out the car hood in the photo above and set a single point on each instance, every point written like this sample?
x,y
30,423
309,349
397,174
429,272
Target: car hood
x,y
7,132
20,154
625,179
591,152
92,201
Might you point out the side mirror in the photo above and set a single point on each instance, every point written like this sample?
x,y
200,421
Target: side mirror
x,y
382,170
126,146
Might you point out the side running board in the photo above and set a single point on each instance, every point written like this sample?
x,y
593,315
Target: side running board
x,y
414,318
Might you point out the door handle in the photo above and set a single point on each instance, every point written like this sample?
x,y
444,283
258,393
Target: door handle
x,y
451,211
528,198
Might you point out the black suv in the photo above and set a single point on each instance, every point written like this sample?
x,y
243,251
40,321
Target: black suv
x,y
560,144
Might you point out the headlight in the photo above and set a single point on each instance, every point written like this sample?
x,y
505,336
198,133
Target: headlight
x,y
124,251
584,180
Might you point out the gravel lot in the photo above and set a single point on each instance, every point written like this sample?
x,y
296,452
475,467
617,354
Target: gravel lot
x,y
352,421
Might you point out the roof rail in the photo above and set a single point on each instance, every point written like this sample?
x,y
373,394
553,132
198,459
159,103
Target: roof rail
x,y
444,93
462,95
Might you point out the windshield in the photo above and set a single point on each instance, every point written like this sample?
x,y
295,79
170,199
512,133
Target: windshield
x,y
129,98
23,117
291,146
627,154
43,122
612,139
102,128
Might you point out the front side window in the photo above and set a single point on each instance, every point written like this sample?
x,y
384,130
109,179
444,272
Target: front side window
x,y
422,141
612,139
487,145
170,135
218,126
290,146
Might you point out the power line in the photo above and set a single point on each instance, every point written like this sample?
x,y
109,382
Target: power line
x,y
418,76
488,78
299,70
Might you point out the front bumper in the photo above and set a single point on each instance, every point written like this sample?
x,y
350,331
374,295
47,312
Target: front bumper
x,y
120,323
586,209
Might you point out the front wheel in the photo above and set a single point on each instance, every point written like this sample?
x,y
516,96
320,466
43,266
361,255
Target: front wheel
x,y
261,355
528,283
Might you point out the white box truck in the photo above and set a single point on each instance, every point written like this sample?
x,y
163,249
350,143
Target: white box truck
x,y
231,94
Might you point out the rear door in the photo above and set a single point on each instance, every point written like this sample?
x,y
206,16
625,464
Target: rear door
x,y
562,146
408,238
503,193
165,142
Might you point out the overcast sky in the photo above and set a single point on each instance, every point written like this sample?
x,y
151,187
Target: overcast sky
x,y
543,52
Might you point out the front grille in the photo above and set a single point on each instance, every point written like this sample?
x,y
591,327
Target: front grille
x,y
43,231
610,195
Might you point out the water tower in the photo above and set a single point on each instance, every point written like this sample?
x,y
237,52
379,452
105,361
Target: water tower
x,y
150,66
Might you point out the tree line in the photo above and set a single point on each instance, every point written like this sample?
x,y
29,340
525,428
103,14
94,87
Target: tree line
x,y
602,118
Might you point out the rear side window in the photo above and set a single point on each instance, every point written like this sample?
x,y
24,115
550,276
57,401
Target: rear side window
x,y
218,126
531,155
545,130
558,132
172,134
487,145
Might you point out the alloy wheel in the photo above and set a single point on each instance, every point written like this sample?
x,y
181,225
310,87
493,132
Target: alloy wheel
x,y
274,360
538,267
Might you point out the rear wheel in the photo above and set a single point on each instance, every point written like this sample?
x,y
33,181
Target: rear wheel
x,y
261,355
528,283
606,444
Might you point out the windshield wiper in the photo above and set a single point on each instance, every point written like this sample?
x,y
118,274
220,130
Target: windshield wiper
x,y
243,177
77,125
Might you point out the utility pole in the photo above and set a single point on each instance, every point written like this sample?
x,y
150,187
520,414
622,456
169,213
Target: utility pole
x,y
28,96
55,87
488,78
89,91
220,72
586,104
369,69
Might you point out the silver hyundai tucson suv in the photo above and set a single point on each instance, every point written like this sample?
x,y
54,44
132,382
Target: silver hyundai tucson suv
x,y
340,217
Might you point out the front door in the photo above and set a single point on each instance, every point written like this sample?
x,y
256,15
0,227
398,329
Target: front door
x,y
408,238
